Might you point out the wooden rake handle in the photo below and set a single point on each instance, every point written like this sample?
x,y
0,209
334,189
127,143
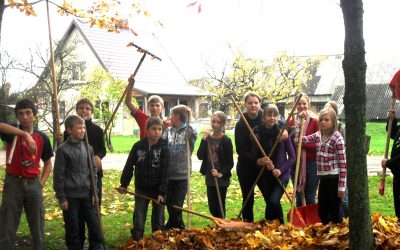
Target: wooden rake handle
x,y
389,132
221,207
296,176
170,205
123,95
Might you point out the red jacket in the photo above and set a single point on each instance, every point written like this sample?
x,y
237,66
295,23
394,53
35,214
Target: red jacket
x,y
310,148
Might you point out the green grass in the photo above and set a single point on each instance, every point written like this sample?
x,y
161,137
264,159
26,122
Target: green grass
x,y
377,131
117,209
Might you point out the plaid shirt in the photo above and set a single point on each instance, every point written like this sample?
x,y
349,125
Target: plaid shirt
x,y
331,156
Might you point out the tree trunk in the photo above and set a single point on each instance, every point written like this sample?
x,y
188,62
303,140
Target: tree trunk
x,y
354,67
2,7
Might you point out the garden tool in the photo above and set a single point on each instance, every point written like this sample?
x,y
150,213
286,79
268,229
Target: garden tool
x,y
188,157
145,52
395,88
210,155
222,223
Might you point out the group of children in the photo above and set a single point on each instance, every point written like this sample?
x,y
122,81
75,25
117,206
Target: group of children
x,y
158,164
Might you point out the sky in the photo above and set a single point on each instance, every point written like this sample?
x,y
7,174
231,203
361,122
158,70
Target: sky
x,y
258,28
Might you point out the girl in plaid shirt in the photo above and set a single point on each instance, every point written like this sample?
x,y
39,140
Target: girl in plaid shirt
x,y
331,162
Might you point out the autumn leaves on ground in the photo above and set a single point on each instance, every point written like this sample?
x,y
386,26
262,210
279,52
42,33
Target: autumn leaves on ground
x,y
117,220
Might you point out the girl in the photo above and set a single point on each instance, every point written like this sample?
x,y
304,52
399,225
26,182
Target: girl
x,y
246,167
308,180
331,162
278,164
222,155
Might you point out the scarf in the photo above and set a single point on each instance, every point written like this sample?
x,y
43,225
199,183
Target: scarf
x,y
303,167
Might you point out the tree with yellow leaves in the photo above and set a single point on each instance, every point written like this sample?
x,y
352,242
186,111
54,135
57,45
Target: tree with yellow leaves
x,y
274,81
102,13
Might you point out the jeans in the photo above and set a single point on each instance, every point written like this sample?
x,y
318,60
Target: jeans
x,y
274,194
311,186
140,214
345,203
21,194
328,200
72,230
396,195
177,190
213,202
82,222
247,174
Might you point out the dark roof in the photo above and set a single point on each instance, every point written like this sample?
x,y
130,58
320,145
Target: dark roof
x,y
153,77
379,97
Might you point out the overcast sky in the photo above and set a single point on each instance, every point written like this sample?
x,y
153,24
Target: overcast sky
x,y
259,28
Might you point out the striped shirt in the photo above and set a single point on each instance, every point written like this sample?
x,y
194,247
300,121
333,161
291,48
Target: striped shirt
x,y
331,156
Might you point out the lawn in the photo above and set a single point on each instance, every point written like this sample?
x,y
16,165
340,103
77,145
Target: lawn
x,y
117,209
377,131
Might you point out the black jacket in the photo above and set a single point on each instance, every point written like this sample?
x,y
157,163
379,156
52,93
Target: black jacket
x,y
225,157
151,162
394,162
243,138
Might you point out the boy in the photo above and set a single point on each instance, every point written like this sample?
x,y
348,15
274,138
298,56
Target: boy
x,y
84,108
155,106
71,182
150,156
394,163
177,186
23,184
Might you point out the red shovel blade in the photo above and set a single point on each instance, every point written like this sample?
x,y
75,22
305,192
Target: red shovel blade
x,y
395,85
305,215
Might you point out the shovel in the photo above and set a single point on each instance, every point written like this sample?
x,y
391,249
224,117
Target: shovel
x,y
222,223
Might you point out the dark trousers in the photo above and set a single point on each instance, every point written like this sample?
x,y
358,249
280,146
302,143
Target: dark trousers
x,y
72,230
247,176
21,194
213,202
396,195
274,194
81,216
140,214
312,181
328,200
177,190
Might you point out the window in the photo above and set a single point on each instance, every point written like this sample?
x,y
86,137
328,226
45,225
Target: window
x,y
61,109
166,109
203,110
77,71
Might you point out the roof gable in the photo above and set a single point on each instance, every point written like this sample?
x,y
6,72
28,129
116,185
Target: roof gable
x,y
153,77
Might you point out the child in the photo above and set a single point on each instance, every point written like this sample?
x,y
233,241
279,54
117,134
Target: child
x,y
72,185
155,106
278,165
23,183
175,136
150,156
342,129
394,163
222,155
308,178
331,162
84,108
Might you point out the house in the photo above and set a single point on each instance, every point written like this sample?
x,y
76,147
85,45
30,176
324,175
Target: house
x,y
327,83
96,47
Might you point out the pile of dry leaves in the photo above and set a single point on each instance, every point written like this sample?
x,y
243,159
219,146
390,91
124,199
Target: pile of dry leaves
x,y
270,236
